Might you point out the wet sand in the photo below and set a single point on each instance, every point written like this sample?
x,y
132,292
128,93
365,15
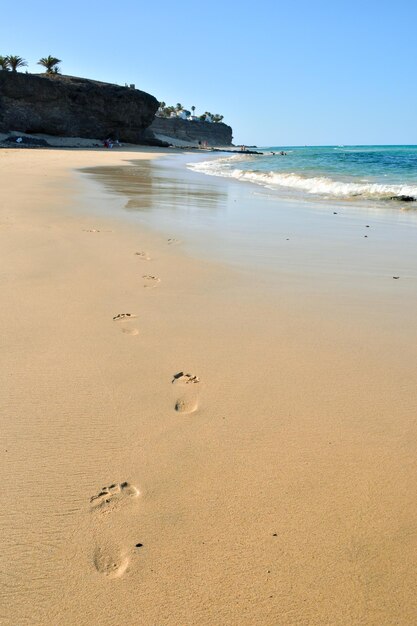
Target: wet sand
x,y
187,442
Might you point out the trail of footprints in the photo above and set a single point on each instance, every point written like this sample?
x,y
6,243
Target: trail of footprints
x,y
109,559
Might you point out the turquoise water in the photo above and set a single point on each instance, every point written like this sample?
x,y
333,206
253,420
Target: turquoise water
x,y
369,173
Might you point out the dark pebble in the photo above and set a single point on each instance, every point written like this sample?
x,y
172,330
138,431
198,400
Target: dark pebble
x,y
139,545
334,213
403,198
275,535
395,277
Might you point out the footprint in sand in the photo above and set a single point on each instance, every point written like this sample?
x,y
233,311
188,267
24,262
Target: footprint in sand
x,y
186,392
172,241
151,281
110,558
95,230
126,318
143,255
114,496
110,561
130,331
123,316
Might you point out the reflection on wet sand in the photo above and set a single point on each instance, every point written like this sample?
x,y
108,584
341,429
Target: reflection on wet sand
x,y
152,186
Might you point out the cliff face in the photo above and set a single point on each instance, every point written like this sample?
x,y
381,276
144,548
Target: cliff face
x,y
218,134
73,107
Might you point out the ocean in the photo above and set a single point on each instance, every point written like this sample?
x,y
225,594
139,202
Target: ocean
x,y
370,174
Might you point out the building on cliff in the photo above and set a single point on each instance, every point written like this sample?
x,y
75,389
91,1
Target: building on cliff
x,y
79,107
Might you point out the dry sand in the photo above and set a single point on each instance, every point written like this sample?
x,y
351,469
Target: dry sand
x,y
273,485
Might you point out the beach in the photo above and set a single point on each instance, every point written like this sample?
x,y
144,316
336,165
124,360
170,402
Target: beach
x,y
203,422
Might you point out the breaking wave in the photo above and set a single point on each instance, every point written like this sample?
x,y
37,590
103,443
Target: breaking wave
x,y
316,185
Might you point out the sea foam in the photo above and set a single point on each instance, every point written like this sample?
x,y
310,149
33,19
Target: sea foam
x,y
316,185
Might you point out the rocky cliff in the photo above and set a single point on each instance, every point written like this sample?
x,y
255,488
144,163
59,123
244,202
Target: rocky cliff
x,y
73,107
216,134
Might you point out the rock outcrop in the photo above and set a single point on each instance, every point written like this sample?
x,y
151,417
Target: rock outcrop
x,y
216,134
404,198
27,141
73,107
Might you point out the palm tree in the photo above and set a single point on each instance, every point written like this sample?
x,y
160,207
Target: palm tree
x,y
50,64
4,63
14,62
193,109
179,106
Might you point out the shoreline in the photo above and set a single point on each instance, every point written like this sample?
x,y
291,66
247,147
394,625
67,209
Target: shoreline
x,y
263,231
309,175
284,496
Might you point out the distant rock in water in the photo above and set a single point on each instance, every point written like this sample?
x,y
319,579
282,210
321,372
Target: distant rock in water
x,y
73,107
214,133
403,198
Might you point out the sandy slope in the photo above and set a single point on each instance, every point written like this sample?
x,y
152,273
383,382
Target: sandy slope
x,y
278,488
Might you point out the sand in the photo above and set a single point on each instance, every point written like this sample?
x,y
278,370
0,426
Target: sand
x,y
183,443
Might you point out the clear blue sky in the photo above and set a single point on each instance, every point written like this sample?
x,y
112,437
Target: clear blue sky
x,y
282,73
